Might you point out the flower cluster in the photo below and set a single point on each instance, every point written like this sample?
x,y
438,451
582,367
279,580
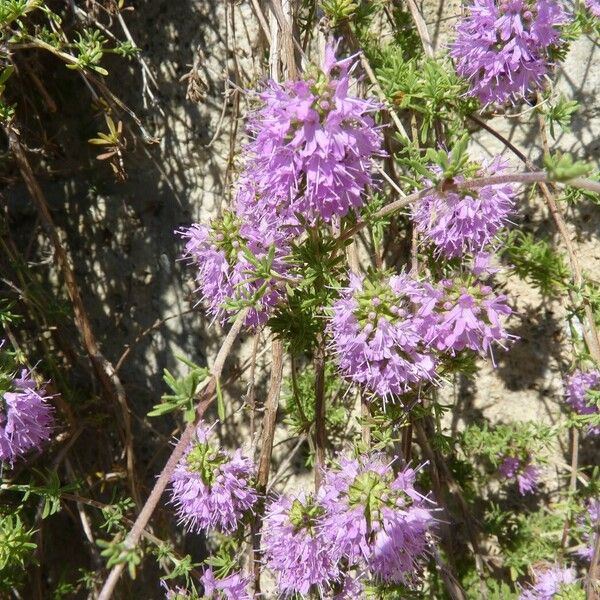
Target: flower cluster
x,y
312,147
239,260
502,48
385,332
548,583
293,544
594,7
364,519
379,333
26,419
212,488
524,471
376,519
577,394
232,587
471,317
461,221
587,522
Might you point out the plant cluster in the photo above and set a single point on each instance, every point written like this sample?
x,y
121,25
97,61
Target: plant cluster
x,y
377,262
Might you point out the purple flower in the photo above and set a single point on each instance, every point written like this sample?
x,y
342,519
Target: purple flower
x,y
587,522
212,488
177,593
312,147
577,394
377,330
457,222
594,7
525,473
226,255
548,583
502,48
350,589
26,420
376,518
232,587
294,546
470,316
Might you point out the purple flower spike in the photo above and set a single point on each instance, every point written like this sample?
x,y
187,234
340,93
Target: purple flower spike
x,y
225,271
294,546
232,587
577,394
312,147
548,583
587,522
376,518
378,330
525,473
465,221
212,488
26,419
594,7
470,316
502,48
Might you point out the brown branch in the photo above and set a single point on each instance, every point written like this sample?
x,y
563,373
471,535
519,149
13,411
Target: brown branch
x,y
105,372
320,431
204,401
268,435
540,177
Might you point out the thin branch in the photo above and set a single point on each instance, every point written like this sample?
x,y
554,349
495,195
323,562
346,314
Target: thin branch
x,y
104,370
540,177
320,432
264,461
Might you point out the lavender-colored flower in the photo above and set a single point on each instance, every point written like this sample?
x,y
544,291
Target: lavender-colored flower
x,y
212,488
376,518
471,316
523,471
577,394
232,587
312,147
594,7
548,583
26,419
294,546
176,593
457,222
587,523
350,588
226,270
377,332
502,48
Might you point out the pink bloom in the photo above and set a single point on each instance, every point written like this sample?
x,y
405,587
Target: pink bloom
x,y
594,7
457,222
225,255
212,488
525,473
294,547
312,147
377,332
577,394
548,583
470,317
26,421
232,587
376,518
502,48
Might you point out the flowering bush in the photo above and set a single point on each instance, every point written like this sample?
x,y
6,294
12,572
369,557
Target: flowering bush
x,y
388,274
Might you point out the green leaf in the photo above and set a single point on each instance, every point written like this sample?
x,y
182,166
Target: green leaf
x,y
561,167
